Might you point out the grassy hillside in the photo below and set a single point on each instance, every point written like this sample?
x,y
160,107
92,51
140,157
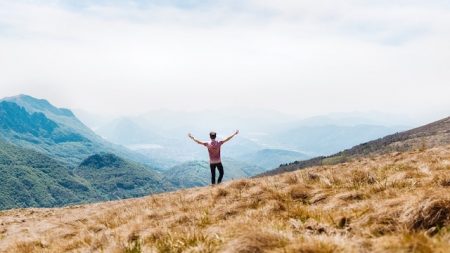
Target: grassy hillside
x,y
395,202
430,135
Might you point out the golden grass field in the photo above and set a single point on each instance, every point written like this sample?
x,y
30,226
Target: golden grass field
x,y
397,202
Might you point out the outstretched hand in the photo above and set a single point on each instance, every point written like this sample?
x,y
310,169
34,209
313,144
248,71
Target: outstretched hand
x,y
190,136
237,131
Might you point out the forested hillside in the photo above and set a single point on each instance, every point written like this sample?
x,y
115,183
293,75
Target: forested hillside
x,y
31,179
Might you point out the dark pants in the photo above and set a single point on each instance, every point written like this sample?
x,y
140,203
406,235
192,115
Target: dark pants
x,y
213,172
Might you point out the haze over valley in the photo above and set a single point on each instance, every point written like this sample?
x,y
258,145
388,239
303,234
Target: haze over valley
x,y
281,138
152,152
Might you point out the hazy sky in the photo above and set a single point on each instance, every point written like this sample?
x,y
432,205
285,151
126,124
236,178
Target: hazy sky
x,y
302,57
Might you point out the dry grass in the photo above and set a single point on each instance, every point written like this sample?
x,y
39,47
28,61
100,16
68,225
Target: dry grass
x,y
397,202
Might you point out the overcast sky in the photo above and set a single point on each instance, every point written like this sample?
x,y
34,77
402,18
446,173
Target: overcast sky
x,y
301,57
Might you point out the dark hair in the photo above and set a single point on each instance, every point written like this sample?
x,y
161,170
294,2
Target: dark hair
x,y
212,135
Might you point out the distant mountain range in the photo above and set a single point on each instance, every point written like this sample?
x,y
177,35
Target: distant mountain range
x,y
427,136
271,158
167,142
261,133
328,139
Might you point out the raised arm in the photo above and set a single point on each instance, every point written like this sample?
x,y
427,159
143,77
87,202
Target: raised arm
x,y
231,136
199,142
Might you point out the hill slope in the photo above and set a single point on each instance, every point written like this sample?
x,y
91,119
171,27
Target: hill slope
x,y
33,179
430,135
36,124
365,205
117,178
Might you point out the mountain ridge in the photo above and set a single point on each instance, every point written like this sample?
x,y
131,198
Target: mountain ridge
x,y
413,138
270,157
30,102
70,141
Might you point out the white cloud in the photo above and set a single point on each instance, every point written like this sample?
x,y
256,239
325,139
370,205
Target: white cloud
x,y
294,56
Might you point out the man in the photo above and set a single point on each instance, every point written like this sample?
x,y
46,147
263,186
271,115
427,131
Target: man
x,y
214,154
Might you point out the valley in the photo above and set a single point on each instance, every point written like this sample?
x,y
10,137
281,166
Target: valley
x,y
365,204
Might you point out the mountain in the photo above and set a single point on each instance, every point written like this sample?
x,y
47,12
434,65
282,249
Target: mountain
x,y
166,148
116,178
32,179
36,124
356,118
271,158
35,130
198,173
394,202
161,135
328,139
125,131
49,158
92,120
430,135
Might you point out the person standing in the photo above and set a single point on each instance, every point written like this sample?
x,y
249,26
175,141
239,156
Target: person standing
x,y
214,154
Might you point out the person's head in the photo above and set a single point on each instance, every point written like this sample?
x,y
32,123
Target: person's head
x,y
212,135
